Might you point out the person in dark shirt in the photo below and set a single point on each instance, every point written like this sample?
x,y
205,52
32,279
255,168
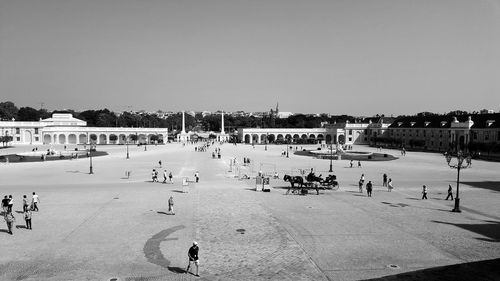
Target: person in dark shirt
x,y
193,257
369,187
5,203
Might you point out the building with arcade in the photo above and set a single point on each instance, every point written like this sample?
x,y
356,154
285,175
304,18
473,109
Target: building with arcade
x,y
63,128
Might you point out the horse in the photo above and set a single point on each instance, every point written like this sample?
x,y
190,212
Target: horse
x,y
293,180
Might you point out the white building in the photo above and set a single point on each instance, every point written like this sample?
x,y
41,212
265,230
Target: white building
x,y
63,128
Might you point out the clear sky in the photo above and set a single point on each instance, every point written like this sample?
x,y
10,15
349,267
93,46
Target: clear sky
x,y
359,57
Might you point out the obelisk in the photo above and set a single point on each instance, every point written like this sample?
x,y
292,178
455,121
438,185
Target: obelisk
x,y
183,123
222,126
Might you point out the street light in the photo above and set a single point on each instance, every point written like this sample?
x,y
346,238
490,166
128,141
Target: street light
x,y
287,150
90,158
331,157
267,139
127,147
459,165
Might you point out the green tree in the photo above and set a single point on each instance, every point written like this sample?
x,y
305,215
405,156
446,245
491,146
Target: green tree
x,y
8,110
28,114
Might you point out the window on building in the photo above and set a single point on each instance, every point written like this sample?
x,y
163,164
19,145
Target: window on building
x,y
36,131
350,139
366,139
486,136
17,131
36,139
474,135
18,138
366,131
350,132
425,133
440,143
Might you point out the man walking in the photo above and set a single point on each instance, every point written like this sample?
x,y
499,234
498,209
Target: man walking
x,y
10,219
369,188
193,257
450,193
164,176
11,204
35,202
197,176
25,203
424,192
27,218
384,180
171,206
170,177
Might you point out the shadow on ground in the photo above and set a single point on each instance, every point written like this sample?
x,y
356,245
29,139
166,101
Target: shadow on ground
x,y
487,270
490,229
491,185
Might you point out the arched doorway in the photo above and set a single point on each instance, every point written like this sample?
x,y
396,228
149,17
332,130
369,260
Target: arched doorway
x,y
47,139
28,137
82,138
72,139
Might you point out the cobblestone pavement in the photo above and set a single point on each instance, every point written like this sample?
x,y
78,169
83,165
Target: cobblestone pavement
x,y
106,226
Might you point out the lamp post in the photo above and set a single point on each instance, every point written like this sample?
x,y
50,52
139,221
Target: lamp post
x,y
287,149
90,158
459,165
127,147
267,139
331,157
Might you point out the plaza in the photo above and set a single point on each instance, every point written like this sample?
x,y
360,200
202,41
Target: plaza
x,y
107,226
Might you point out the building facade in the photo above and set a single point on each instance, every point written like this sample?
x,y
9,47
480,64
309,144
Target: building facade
x,y
63,128
337,133
445,133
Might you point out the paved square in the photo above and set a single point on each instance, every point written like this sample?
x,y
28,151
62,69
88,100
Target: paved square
x,y
105,225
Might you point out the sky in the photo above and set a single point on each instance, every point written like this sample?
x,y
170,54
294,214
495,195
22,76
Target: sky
x,y
357,57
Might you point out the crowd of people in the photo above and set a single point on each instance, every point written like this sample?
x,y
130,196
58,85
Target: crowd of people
x,y
29,206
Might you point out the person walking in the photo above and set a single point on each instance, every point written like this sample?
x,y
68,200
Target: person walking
x,y
159,162
153,176
5,204
27,218
424,192
25,203
164,176
170,177
361,182
369,187
390,187
11,204
359,163
351,163
10,219
450,193
193,257
197,176
34,201
384,180
171,205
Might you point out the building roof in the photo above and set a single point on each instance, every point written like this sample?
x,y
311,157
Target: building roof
x,y
444,121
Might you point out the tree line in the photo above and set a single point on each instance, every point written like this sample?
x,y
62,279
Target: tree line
x,y
108,118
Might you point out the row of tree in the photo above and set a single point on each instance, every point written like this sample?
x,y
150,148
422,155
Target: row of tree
x,y
107,118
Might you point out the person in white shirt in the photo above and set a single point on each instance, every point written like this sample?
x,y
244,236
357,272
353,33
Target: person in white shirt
x,y
35,202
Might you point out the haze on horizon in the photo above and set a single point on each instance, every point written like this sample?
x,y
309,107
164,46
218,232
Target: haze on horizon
x,y
339,57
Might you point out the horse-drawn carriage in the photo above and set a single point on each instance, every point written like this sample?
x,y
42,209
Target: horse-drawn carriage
x,y
299,185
